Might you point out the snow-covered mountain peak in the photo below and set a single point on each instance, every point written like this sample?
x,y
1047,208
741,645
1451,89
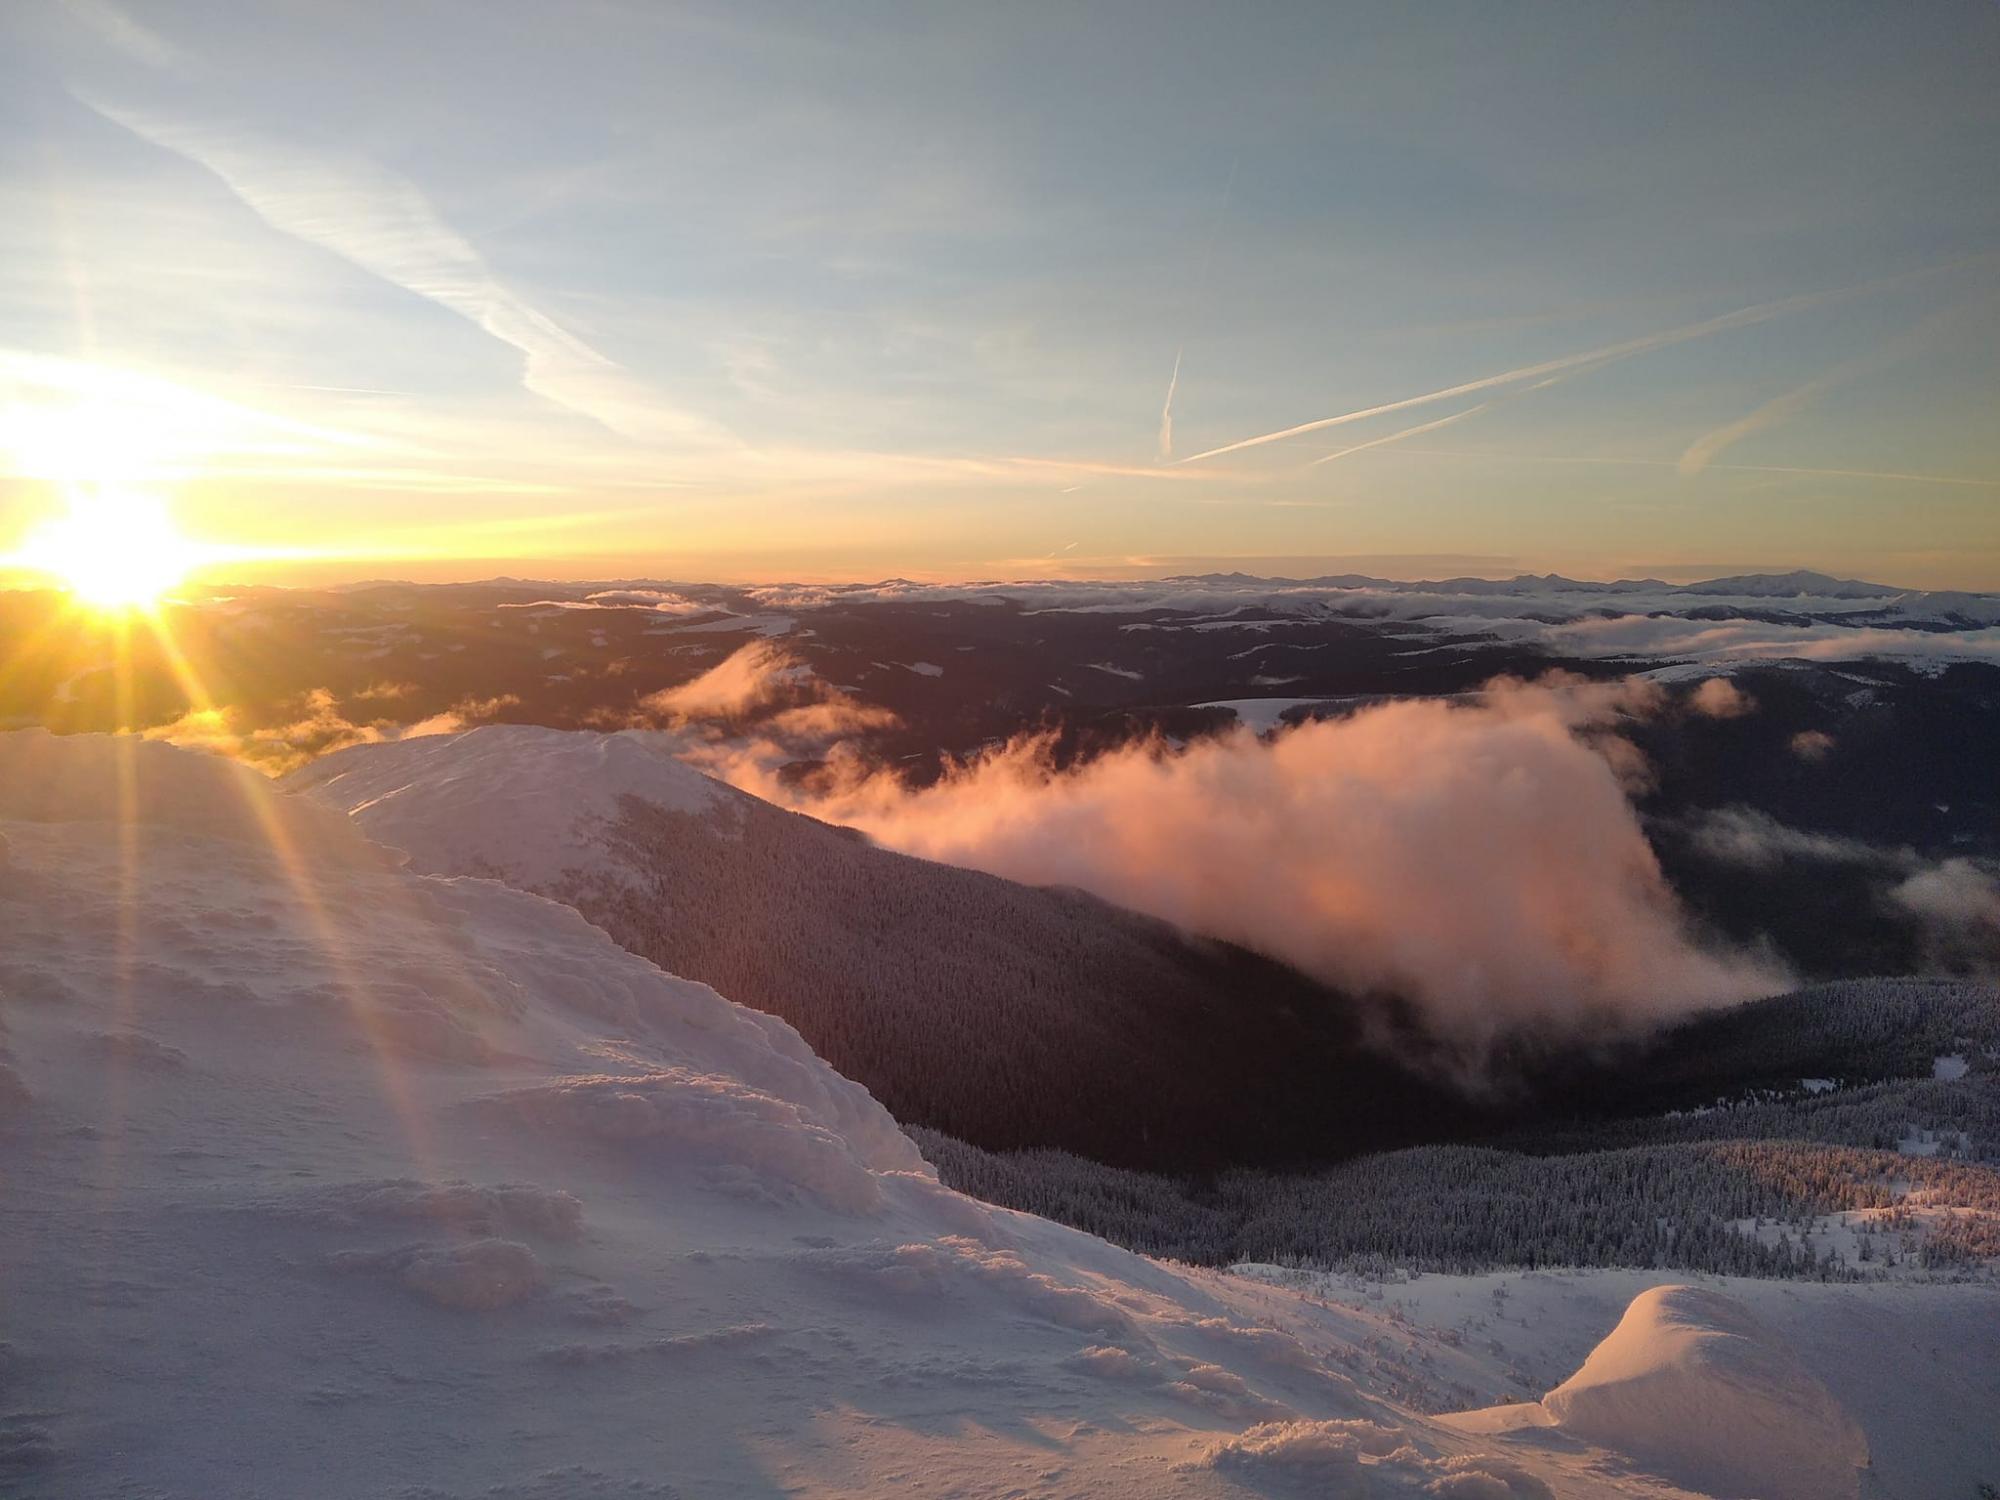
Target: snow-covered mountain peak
x,y
518,800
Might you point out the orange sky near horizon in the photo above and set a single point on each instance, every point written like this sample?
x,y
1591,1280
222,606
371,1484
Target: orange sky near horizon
x,y
731,297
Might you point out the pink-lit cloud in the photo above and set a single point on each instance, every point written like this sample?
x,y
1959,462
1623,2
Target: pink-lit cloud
x,y
1482,860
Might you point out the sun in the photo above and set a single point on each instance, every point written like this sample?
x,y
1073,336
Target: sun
x,y
113,550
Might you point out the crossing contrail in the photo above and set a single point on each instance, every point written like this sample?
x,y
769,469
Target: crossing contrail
x,y
1742,317
1397,437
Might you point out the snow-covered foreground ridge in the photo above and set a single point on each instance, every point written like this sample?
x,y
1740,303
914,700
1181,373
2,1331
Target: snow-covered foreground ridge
x,y
325,1178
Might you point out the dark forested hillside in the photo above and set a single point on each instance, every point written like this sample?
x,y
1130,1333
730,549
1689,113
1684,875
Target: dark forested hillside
x,y
1727,1145
1014,1016
1850,1032
1687,1205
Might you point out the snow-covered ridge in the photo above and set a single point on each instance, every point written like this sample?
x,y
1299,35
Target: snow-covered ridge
x,y
326,1177
518,799
156,844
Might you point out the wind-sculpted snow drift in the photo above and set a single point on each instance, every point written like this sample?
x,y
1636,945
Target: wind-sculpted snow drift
x,y
327,1178
1694,1386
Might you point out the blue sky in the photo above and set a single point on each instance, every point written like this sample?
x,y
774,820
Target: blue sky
x,y
818,291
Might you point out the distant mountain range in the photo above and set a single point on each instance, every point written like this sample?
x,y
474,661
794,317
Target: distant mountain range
x,y
1799,582
1794,582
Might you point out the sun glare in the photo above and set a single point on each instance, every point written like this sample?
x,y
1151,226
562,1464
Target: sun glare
x,y
114,551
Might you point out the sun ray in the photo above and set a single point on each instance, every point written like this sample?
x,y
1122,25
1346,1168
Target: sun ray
x,y
31,644
297,873
125,936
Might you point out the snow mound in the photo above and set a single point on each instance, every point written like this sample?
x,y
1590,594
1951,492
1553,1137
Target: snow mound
x,y
1359,1460
517,801
1300,1448
1691,1385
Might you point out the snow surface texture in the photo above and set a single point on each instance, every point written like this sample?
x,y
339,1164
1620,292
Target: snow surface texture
x,y
524,803
327,1178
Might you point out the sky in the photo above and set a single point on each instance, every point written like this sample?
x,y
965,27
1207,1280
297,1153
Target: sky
x,y
766,291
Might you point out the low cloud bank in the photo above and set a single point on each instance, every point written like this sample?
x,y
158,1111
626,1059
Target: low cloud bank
x,y
1954,902
655,601
1481,860
1753,618
793,707
1671,636
1958,903
317,726
753,678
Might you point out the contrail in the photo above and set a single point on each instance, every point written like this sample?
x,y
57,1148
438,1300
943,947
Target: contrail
x,y
1457,416
1778,409
1702,451
1200,283
1741,318
1167,408
1397,437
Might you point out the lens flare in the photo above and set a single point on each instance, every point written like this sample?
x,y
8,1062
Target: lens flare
x,y
113,550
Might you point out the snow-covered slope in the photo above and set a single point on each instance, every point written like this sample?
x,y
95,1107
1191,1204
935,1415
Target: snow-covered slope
x,y
324,1178
525,803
